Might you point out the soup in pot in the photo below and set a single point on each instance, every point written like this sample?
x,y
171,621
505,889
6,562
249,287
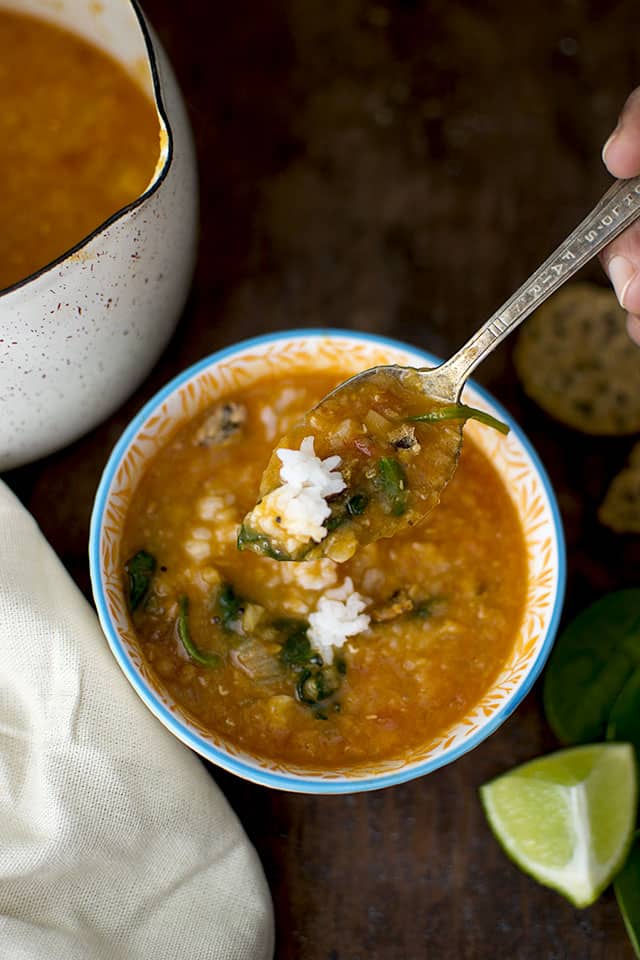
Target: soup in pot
x,y
79,140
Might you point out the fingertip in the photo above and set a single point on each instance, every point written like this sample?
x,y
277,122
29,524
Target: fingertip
x,y
606,150
621,152
633,327
621,156
622,273
630,299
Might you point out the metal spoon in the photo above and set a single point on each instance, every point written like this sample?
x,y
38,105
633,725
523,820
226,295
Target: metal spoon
x,y
421,474
617,209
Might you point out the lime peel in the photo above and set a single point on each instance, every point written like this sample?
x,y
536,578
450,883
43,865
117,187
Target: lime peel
x,y
568,819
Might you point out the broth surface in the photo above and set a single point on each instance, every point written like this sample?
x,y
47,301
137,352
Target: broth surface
x,y
80,140
445,597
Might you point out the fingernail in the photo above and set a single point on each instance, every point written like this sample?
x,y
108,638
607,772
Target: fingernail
x,y
609,142
621,273
633,326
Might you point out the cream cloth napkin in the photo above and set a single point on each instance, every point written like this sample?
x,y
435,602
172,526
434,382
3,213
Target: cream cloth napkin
x,y
115,844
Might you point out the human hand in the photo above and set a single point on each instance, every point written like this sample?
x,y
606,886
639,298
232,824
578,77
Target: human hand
x,y
621,259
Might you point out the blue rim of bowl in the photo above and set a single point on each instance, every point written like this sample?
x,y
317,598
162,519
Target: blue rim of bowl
x,y
256,774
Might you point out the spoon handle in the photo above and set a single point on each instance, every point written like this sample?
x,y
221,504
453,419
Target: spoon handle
x,y
619,207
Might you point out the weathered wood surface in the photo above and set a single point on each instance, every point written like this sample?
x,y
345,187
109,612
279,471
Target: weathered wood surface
x,y
396,167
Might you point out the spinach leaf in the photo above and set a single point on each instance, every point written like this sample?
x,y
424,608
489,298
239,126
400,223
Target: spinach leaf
x,y
296,650
334,521
592,660
231,606
315,681
460,411
313,686
260,543
197,655
343,509
624,719
357,504
140,569
627,888
391,482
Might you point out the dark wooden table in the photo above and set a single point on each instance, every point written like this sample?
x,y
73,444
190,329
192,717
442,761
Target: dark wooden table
x,y
397,167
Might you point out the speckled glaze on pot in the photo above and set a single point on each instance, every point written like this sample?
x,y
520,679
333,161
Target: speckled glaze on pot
x,y
79,335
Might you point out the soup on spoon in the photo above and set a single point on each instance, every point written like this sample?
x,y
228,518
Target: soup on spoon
x,y
369,460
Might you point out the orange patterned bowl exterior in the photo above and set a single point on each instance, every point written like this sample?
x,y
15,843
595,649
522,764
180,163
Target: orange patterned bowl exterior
x,y
235,367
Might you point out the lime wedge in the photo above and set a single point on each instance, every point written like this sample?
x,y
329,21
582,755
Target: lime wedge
x,y
568,818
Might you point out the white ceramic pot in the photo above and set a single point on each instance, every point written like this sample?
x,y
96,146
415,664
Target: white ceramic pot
x,y
77,337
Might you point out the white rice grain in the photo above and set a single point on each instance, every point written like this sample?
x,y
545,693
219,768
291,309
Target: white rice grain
x,y
339,615
294,513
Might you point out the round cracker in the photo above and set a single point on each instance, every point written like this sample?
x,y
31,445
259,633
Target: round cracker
x,y
620,509
576,360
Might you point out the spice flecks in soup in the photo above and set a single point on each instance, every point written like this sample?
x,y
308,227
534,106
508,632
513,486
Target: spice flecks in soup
x,y
420,623
80,139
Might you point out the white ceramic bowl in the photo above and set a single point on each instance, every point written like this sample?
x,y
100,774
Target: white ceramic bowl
x,y
78,336
513,457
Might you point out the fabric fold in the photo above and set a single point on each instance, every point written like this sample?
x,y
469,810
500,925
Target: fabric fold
x,y
115,844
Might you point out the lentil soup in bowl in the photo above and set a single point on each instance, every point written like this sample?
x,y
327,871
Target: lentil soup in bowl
x,y
317,676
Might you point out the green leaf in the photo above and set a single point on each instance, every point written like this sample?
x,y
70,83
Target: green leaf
x,y
314,686
231,606
345,507
592,660
197,655
140,569
624,719
334,521
296,650
259,543
627,888
392,483
319,681
357,504
460,411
